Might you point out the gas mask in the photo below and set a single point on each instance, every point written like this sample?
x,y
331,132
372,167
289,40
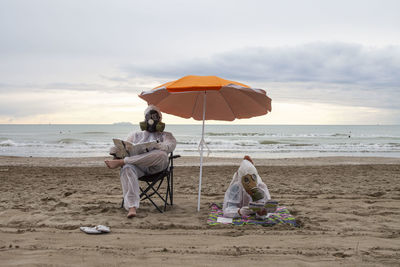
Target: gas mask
x,y
152,122
249,182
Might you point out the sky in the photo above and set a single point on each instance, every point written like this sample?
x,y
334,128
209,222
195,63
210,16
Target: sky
x,y
321,62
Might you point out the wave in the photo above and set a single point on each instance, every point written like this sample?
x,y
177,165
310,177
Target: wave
x,y
324,136
8,142
234,134
192,142
70,141
246,143
95,133
388,137
341,134
62,143
301,145
269,142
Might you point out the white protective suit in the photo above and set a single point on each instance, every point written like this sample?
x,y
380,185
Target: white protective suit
x,y
236,196
146,163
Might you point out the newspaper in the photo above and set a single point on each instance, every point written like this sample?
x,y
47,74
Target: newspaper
x,y
269,207
127,149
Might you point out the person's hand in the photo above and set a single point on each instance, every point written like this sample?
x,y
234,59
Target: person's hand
x,y
262,212
162,146
245,211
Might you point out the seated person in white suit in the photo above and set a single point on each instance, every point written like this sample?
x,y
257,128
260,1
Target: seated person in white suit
x,y
150,162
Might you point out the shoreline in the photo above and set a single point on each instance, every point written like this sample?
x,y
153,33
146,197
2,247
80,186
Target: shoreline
x,y
195,161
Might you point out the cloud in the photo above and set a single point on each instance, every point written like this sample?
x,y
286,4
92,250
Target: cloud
x,y
336,73
113,86
317,62
337,94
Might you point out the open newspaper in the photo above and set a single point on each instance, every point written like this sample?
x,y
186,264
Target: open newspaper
x,y
127,149
270,206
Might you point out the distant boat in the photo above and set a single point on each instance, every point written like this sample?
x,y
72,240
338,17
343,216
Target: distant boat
x,y
122,123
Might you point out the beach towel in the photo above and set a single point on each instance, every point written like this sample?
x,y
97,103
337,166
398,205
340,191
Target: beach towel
x,y
281,216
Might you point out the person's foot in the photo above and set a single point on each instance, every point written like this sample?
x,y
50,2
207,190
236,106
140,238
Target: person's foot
x,y
131,212
115,163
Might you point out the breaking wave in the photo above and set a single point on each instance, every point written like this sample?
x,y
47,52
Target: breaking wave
x,y
8,142
264,141
95,133
269,142
234,134
341,134
70,141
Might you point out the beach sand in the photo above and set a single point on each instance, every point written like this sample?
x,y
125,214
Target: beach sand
x,y
348,210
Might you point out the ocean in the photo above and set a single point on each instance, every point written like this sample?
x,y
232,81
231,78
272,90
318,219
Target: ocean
x,y
258,141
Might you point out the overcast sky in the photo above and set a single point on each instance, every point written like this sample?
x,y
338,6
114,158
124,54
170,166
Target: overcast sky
x,y
321,62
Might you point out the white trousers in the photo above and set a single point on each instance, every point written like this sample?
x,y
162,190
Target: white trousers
x,y
135,167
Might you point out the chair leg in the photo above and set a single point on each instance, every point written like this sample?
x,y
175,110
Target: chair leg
x,y
166,198
148,196
169,192
171,185
155,191
155,205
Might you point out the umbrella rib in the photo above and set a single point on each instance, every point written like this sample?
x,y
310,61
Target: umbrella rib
x,y
250,98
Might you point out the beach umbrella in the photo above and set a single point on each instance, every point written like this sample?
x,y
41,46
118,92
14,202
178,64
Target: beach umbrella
x,y
208,98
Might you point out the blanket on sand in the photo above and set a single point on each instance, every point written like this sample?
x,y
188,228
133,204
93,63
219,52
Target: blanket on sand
x,y
281,216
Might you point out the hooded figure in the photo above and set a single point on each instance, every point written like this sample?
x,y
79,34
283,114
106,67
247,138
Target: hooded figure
x,y
246,187
147,163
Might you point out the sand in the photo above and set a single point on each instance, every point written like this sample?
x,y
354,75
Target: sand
x,y
348,210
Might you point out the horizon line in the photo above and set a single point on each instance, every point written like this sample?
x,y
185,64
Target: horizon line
x,y
176,124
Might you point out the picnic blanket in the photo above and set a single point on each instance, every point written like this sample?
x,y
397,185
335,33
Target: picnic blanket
x,y
281,216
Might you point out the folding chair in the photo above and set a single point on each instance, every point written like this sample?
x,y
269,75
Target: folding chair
x,y
152,183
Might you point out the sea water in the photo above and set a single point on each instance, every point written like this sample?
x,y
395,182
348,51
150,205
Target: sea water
x,y
258,141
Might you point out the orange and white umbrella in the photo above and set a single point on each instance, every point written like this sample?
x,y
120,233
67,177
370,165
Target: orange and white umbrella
x,y
208,98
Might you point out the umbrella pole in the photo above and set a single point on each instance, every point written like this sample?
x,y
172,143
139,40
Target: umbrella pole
x,y
201,151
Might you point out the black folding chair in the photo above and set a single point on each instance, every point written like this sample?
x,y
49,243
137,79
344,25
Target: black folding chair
x,y
152,183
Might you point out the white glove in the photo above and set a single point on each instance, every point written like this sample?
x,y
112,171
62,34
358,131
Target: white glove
x,y
245,211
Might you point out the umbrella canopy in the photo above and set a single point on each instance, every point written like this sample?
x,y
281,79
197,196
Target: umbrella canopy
x,y
226,100
208,98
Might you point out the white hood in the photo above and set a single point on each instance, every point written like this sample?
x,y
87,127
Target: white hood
x,y
246,167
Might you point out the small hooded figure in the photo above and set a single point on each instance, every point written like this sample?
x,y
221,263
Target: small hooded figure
x,y
245,192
